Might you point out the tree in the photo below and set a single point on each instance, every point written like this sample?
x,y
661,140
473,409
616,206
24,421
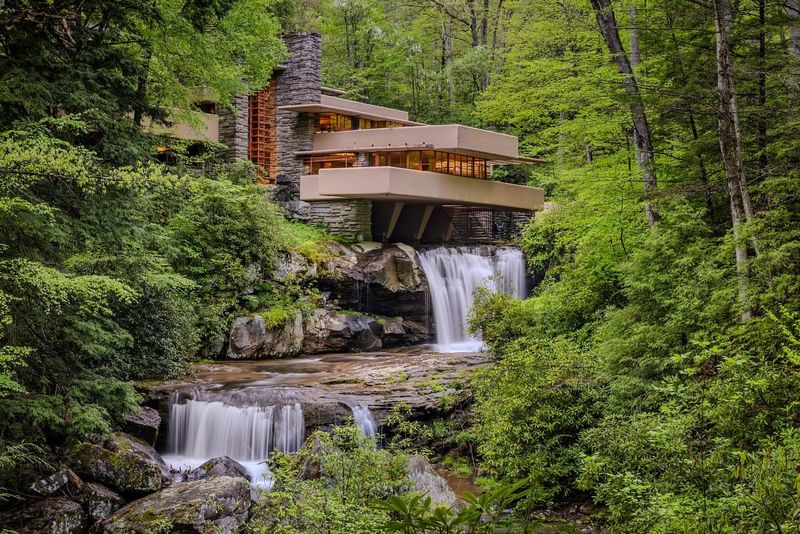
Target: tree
x,y
123,59
607,23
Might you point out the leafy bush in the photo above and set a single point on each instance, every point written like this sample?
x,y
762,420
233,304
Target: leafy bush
x,y
352,472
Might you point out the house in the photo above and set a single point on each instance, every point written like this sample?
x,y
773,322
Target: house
x,y
366,171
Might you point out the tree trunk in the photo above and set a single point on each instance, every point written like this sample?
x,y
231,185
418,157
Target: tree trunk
x,y
793,10
730,145
448,59
762,89
607,23
634,37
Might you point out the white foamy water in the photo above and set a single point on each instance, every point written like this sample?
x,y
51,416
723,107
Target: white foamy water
x,y
204,429
365,421
453,274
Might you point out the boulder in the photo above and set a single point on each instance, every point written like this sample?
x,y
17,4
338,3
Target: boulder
x,y
399,332
383,281
331,331
218,504
218,467
250,338
312,465
124,463
56,515
426,480
58,480
144,425
292,267
99,501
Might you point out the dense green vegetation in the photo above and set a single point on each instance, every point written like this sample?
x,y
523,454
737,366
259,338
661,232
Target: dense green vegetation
x,y
655,368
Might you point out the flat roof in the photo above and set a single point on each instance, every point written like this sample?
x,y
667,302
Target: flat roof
x,y
332,91
335,104
453,138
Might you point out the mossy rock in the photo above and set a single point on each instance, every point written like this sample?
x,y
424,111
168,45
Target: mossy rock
x,y
219,504
123,463
57,515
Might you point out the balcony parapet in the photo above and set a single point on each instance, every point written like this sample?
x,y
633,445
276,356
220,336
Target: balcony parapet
x,y
408,185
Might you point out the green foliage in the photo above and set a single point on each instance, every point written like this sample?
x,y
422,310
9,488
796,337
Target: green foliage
x,y
484,513
352,472
109,274
119,63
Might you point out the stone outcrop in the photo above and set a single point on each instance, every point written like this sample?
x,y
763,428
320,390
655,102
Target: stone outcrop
x,y
144,425
56,515
99,501
379,280
426,480
123,463
218,504
324,330
218,467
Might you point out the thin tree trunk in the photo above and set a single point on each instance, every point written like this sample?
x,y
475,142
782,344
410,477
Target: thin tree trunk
x,y
793,10
448,59
634,36
762,89
607,23
730,145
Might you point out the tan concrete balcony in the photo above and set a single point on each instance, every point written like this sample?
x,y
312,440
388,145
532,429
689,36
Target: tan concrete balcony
x,y
413,186
335,104
453,138
206,129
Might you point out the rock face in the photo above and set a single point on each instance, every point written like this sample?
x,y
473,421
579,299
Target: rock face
x,y
58,480
144,425
425,479
325,330
218,467
57,515
379,280
218,504
123,462
99,501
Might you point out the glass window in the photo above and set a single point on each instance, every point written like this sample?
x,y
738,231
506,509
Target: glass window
x,y
428,160
414,160
313,164
378,159
480,168
397,159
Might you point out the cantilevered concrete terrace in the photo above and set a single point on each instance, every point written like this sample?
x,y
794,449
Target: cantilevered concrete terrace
x,y
407,185
432,165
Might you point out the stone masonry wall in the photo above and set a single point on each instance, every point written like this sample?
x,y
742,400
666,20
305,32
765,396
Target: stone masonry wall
x,y
351,219
234,129
299,83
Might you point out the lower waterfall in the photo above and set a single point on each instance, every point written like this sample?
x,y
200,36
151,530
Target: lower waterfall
x,y
200,429
365,421
453,275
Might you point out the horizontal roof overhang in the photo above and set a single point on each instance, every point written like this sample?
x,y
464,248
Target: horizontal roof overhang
x,y
334,104
454,138
406,185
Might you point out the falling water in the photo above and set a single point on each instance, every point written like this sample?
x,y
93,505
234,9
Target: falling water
x,y
203,429
365,421
453,275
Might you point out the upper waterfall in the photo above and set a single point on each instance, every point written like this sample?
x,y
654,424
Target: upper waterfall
x,y
453,275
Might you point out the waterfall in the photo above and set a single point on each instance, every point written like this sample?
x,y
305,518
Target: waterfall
x,y
203,428
365,421
453,275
